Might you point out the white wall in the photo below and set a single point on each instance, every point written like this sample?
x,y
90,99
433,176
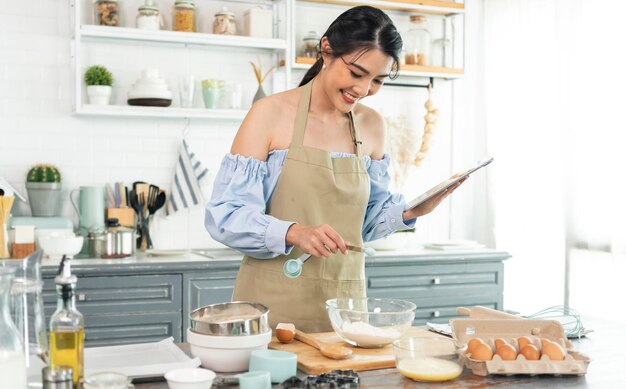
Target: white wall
x,y
37,125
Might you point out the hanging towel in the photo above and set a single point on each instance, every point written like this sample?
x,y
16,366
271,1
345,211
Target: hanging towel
x,y
189,178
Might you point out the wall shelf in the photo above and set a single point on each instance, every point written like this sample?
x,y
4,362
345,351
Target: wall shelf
x,y
185,38
435,7
160,112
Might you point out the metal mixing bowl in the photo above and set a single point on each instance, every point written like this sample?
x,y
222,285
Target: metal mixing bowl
x,y
236,318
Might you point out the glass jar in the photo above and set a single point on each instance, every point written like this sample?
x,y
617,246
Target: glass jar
x,y
184,16
442,53
149,17
309,44
224,23
107,13
12,356
418,42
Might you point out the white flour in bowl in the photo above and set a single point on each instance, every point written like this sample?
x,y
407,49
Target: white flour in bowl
x,y
366,334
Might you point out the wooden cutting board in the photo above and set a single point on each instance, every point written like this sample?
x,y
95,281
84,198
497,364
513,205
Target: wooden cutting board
x,y
311,361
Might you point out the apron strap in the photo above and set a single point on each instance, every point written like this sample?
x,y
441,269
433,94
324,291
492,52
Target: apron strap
x,y
356,135
302,114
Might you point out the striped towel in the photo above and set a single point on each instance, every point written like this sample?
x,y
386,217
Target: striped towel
x,y
189,178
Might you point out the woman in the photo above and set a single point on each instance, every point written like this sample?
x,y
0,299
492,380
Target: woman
x,y
307,173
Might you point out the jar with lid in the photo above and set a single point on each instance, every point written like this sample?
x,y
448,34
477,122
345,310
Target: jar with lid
x,y
309,44
442,53
149,17
418,42
224,22
107,13
184,16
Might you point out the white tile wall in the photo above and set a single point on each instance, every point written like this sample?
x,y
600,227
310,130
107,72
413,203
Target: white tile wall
x,y
36,123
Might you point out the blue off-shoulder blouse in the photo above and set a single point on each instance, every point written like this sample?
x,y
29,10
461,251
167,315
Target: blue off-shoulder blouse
x,y
244,186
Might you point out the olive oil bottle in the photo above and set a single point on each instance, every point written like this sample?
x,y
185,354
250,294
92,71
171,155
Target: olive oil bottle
x,y
67,327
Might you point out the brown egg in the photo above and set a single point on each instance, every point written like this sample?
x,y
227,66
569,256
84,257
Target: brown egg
x,y
530,352
499,342
471,345
553,350
285,332
507,352
523,341
482,352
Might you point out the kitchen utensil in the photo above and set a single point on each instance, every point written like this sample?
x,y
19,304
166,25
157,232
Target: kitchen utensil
x,y
260,379
90,208
428,359
310,361
332,351
370,322
365,250
236,318
226,353
292,268
190,378
280,364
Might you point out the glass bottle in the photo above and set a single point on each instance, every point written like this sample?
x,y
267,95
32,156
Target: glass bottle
x,y
309,44
224,23
148,16
184,16
442,53
418,42
107,13
67,328
12,355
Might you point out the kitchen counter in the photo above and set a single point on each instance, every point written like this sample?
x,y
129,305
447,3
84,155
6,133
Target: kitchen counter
x,y
605,346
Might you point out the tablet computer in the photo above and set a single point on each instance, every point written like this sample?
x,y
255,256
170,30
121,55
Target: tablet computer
x,y
444,185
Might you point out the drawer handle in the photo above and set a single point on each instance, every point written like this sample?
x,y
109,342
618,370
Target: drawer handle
x,y
82,297
436,281
435,314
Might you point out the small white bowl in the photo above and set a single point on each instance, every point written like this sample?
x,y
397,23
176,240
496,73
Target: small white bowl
x,y
57,246
190,378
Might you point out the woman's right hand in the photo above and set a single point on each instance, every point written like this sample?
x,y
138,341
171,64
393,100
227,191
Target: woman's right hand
x,y
319,241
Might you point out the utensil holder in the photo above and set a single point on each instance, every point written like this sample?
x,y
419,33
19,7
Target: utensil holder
x,y
144,241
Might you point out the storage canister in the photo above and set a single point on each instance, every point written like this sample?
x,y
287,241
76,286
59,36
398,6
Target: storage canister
x,y
120,240
149,17
184,16
224,23
418,42
258,23
107,13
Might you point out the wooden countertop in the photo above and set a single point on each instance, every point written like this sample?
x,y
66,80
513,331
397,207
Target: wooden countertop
x,y
606,347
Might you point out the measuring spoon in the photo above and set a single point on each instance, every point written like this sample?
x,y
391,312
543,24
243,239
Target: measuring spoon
x,y
293,267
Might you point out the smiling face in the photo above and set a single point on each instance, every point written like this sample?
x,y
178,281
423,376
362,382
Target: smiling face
x,y
350,78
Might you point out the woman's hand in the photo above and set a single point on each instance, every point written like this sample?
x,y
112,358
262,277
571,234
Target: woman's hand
x,y
319,241
429,205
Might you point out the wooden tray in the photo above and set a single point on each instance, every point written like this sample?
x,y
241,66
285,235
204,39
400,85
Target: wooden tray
x,y
311,361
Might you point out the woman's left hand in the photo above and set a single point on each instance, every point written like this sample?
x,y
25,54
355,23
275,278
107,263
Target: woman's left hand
x,y
429,205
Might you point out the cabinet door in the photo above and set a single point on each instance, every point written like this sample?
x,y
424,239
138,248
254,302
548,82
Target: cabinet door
x,y
125,309
205,289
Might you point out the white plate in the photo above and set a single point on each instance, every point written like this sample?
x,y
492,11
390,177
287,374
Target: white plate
x,y
138,360
166,253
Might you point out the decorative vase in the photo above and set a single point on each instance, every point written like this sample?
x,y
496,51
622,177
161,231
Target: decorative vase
x,y
260,93
44,198
99,94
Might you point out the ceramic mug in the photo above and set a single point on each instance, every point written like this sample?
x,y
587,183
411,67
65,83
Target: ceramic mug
x,y
90,208
212,90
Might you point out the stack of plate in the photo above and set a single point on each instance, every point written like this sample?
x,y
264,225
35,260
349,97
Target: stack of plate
x,y
150,90
454,245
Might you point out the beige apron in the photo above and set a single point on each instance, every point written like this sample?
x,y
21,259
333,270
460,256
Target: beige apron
x,y
313,189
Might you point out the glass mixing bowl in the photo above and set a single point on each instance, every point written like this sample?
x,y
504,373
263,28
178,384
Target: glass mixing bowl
x,y
428,359
370,322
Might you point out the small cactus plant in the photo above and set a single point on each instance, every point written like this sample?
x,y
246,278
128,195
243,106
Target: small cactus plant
x,y
43,173
98,75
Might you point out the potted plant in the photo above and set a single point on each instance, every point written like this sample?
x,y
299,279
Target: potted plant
x,y
43,184
99,81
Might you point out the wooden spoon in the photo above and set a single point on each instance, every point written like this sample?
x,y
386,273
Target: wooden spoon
x,y
332,351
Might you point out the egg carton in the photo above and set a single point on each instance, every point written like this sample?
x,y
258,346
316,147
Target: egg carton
x,y
488,330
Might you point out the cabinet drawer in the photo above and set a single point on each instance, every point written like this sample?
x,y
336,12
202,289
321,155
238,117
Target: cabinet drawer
x,y
123,294
435,280
116,329
201,290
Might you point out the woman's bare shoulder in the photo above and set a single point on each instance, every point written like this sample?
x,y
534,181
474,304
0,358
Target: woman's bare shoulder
x,y
373,129
263,122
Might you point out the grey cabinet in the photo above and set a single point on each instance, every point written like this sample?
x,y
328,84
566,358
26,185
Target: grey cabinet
x,y
146,300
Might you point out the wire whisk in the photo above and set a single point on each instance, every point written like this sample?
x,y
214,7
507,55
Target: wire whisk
x,y
568,317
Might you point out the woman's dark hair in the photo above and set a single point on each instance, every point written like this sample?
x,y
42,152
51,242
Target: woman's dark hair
x,y
359,28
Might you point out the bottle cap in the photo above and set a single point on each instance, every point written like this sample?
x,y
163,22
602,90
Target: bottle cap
x,y
65,276
149,6
417,18
56,374
226,12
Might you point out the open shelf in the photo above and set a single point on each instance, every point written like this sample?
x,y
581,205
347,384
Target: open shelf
x,y
193,38
436,7
160,112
